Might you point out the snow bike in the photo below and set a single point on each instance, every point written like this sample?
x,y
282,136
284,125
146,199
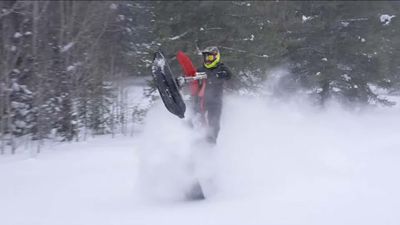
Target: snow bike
x,y
168,88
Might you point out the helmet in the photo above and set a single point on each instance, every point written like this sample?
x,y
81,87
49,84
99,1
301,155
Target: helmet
x,y
211,56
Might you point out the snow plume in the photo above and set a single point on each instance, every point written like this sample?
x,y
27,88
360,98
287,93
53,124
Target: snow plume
x,y
276,81
279,163
281,86
169,155
303,159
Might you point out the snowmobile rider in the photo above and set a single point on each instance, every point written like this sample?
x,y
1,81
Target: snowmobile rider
x,y
210,105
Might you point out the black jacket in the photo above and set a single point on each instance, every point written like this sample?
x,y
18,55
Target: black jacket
x,y
215,83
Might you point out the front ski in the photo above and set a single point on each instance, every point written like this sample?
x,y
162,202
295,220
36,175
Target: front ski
x,y
167,86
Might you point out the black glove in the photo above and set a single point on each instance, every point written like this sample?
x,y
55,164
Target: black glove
x,y
222,74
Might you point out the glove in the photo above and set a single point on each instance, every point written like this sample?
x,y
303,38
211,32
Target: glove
x,y
201,75
222,74
180,81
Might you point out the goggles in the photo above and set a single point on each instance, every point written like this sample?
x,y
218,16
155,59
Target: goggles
x,y
209,57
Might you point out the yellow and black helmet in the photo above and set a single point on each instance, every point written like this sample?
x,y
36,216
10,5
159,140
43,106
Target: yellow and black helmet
x,y
211,56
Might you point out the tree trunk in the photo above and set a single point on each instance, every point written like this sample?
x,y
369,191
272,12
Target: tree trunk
x,y
38,99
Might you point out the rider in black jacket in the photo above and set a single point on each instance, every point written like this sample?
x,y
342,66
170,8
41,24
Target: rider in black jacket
x,y
217,74
208,101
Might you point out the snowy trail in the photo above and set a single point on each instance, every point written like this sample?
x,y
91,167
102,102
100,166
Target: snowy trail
x,y
274,164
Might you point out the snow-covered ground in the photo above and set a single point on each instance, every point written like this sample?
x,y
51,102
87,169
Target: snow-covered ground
x,y
274,164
